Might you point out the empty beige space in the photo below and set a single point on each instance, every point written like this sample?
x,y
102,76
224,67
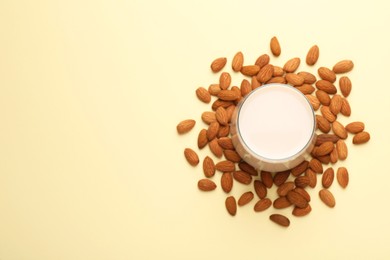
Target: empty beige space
x,y
91,165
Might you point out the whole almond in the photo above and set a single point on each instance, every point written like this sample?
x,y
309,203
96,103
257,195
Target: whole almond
x,y
224,80
214,89
339,130
222,103
285,188
281,177
325,111
323,124
278,71
326,86
232,156
215,148
221,116
225,166
191,156
228,95
343,66
309,78
262,204
303,193
300,212
323,97
212,130
230,111
247,168
306,89
312,176
342,177
335,104
231,205
203,95
227,182
312,55
262,60
218,64
296,199
315,103
294,79
275,46
302,181
208,167
242,177
260,189
316,165
266,178
292,65
255,83
206,185
223,131
327,177
280,220
245,198
342,149
345,108
238,61
327,197
281,80
345,86
245,87
361,138
300,168
322,138
265,73
250,70
208,117
226,143
185,126
202,138
334,156
327,74
324,149
324,159
281,203
355,127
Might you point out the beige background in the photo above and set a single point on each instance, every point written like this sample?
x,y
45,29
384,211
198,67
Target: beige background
x,y
91,166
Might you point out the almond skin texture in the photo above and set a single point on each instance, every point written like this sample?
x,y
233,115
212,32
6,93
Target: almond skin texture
x,y
323,124
345,108
326,86
280,220
226,143
316,165
361,138
302,181
221,116
247,168
325,111
225,166
345,86
231,205
323,97
208,167
232,155
202,138
327,197
245,198
262,205
300,212
265,73
245,87
299,169
281,203
281,177
322,138
250,70
355,127
228,95
262,60
285,188
224,80
206,185
223,131
208,117
242,177
292,65
212,131
278,71
312,55
335,104
342,149
327,74
309,78
238,61
324,149
214,89
215,148
304,193
294,79
185,126
223,103
255,83
343,66
339,130
191,156
296,199
315,103
327,177
218,64
227,182
203,95
260,189
334,156
266,178
275,46
342,177
306,89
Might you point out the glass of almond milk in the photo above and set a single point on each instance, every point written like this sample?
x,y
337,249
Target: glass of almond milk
x,y
273,127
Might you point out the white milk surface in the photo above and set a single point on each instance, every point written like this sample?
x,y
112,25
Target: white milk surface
x,y
276,122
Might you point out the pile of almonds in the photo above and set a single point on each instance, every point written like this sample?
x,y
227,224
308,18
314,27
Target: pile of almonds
x,y
291,185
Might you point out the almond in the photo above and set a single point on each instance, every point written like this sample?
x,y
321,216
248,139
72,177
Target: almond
x,y
238,93
312,55
221,116
245,198
322,138
185,126
280,220
203,95
303,193
260,189
312,176
228,95
250,70
245,87
345,86
281,80
345,108
342,177
227,182
262,204
361,138
255,83
208,117
281,203
225,166
324,149
214,89
285,188
323,97
221,103
265,73
300,168
232,156
262,60
226,143
231,205
242,177
302,181
342,149
278,71
266,178
326,86
223,131
281,177
327,197
275,46
215,148
230,111
292,65
294,79
224,80
202,138
306,89
315,103
339,130
212,130
316,165
309,78
324,159
323,124
206,185
247,168
325,111
335,104
238,61
343,66
296,199
327,74
208,167
300,212
191,156
327,177
334,156
355,127
218,64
